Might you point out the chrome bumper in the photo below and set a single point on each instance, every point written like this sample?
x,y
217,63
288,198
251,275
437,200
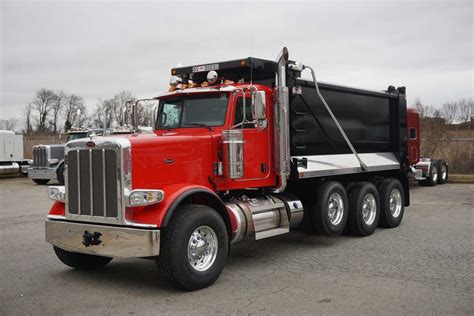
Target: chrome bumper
x,y
118,242
43,173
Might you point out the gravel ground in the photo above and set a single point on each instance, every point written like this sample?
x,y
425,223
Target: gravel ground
x,y
424,266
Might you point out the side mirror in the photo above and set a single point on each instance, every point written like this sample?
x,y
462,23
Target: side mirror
x,y
259,106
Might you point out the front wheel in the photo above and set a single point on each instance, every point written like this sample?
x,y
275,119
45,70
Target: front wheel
x,y
81,261
60,174
194,247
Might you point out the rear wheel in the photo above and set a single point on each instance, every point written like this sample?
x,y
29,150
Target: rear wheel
x,y
41,181
81,261
194,247
443,172
392,203
364,209
329,213
432,179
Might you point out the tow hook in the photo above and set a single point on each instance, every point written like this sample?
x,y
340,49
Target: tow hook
x,y
91,239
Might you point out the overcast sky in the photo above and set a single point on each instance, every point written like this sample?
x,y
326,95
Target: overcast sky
x,y
95,49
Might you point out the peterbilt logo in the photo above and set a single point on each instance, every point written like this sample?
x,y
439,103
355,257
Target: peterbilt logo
x,y
169,161
90,144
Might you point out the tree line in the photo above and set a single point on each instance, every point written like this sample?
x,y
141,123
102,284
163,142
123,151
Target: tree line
x,y
457,111
53,112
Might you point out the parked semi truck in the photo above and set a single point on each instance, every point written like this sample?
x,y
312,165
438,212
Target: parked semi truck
x,y
11,153
241,150
427,171
48,160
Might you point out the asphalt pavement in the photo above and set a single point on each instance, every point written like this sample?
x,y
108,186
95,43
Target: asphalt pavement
x,y
425,266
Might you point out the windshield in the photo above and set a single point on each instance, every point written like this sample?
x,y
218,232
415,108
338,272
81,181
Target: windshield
x,y
192,111
73,136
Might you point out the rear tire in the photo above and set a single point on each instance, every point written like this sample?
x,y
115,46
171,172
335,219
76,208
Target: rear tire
x,y
194,247
41,181
81,261
392,203
443,172
432,179
364,209
330,212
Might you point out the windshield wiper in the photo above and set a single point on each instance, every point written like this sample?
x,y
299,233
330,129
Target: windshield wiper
x,y
200,125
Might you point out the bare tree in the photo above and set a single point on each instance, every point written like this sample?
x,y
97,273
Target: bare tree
x,y
42,103
426,110
56,108
9,124
466,109
449,111
27,113
72,103
118,105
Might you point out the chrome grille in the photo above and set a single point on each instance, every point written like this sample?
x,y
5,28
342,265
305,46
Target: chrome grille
x,y
40,156
93,183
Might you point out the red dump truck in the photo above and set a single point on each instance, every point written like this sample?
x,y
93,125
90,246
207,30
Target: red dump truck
x,y
240,150
427,171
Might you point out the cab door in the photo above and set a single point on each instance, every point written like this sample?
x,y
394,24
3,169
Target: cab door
x,y
257,142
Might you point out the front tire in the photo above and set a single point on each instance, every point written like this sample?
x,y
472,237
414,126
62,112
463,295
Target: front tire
x,y
194,247
41,181
364,209
81,261
329,213
60,174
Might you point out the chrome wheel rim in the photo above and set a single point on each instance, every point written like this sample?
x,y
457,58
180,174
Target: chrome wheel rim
x,y
443,172
434,173
335,209
395,203
202,248
369,209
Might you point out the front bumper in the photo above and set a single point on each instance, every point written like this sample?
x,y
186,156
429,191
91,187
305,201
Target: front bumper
x,y
42,173
118,242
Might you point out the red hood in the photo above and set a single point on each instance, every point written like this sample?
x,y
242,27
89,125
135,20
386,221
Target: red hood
x,y
164,158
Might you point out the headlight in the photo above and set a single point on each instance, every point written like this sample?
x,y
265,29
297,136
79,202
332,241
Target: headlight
x,y
145,197
56,193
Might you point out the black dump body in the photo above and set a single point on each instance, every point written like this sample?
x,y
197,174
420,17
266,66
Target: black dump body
x,y
374,121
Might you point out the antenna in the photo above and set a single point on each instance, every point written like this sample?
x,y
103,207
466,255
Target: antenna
x,y
251,61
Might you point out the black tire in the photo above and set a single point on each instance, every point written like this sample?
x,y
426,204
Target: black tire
x,y
390,218
432,179
41,181
175,264
81,261
60,174
443,174
364,209
324,222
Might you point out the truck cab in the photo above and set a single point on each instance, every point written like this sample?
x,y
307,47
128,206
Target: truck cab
x,y
48,160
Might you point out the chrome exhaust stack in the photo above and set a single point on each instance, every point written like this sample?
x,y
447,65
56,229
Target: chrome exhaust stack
x,y
282,123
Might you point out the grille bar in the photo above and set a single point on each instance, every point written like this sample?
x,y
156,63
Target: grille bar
x,y
40,156
93,183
